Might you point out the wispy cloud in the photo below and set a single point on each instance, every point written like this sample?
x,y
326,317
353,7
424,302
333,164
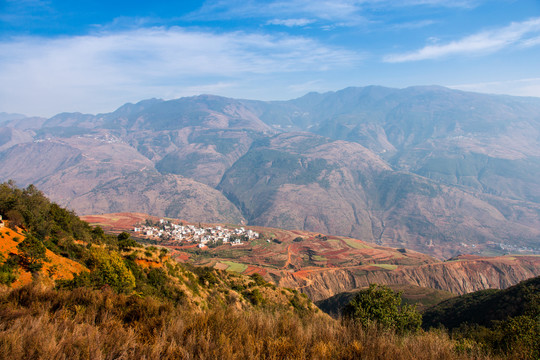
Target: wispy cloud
x,y
290,22
413,25
520,87
344,11
534,41
16,12
441,3
313,85
483,42
90,71
319,9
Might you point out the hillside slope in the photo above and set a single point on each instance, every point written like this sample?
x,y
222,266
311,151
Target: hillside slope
x,y
484,307
322,266
56,268
457,277
417,296
304,181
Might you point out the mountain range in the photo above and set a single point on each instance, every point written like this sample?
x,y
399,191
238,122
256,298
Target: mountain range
x,y
432,169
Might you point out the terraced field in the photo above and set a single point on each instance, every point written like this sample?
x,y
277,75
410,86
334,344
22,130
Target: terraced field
x,y
324,265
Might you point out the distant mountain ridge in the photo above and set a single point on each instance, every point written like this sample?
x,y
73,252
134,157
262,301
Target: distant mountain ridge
x,y
429,168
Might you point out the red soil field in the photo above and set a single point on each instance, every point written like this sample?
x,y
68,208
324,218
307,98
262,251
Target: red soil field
x,y
118,221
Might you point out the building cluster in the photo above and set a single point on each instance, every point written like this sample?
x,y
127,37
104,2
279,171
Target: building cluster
x,y
202,236
519,249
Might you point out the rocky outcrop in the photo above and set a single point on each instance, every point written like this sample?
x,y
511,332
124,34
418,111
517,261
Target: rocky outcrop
x,y
458,276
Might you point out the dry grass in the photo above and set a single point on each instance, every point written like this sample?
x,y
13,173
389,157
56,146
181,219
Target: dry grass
x,y
41,323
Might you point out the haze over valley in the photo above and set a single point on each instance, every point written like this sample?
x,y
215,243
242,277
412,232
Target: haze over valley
x,y
432,169
299,179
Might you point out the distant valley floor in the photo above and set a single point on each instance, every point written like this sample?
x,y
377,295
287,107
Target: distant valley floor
x,y
323,265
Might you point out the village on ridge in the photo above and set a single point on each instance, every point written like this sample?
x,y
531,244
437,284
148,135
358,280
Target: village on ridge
x,y
202,236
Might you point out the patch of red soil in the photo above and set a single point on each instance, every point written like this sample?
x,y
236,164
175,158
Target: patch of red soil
x,y
181,256
117,221
58,267
255,269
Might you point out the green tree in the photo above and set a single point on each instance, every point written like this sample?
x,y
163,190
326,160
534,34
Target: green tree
x,y
379,304
519,336
98,233
108,268
7,268
32,253
125,241
15,219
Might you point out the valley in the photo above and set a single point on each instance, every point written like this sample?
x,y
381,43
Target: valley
x,y
322,266
274,180
56,270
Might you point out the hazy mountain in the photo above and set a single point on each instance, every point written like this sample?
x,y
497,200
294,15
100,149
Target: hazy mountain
x,y
162,195
4,117
97,175
11,136
455,137
428,168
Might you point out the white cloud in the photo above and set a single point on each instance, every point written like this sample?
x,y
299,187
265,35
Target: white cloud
x,y
413,24
530,42
441,3
483,42
320,9
520,87
313,85
290,22
103,70
23,11
344,11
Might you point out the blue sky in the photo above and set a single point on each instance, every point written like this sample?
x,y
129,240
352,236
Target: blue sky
x,y
94,56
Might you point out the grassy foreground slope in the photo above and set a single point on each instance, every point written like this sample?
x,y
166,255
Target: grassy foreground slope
x,y
133,302
42,323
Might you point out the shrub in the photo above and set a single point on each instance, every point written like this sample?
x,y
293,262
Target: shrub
x,y
107,268
259,280
125,241
7,275
32,253
519,335
157,278
298,304
254,296
382,305
207,276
